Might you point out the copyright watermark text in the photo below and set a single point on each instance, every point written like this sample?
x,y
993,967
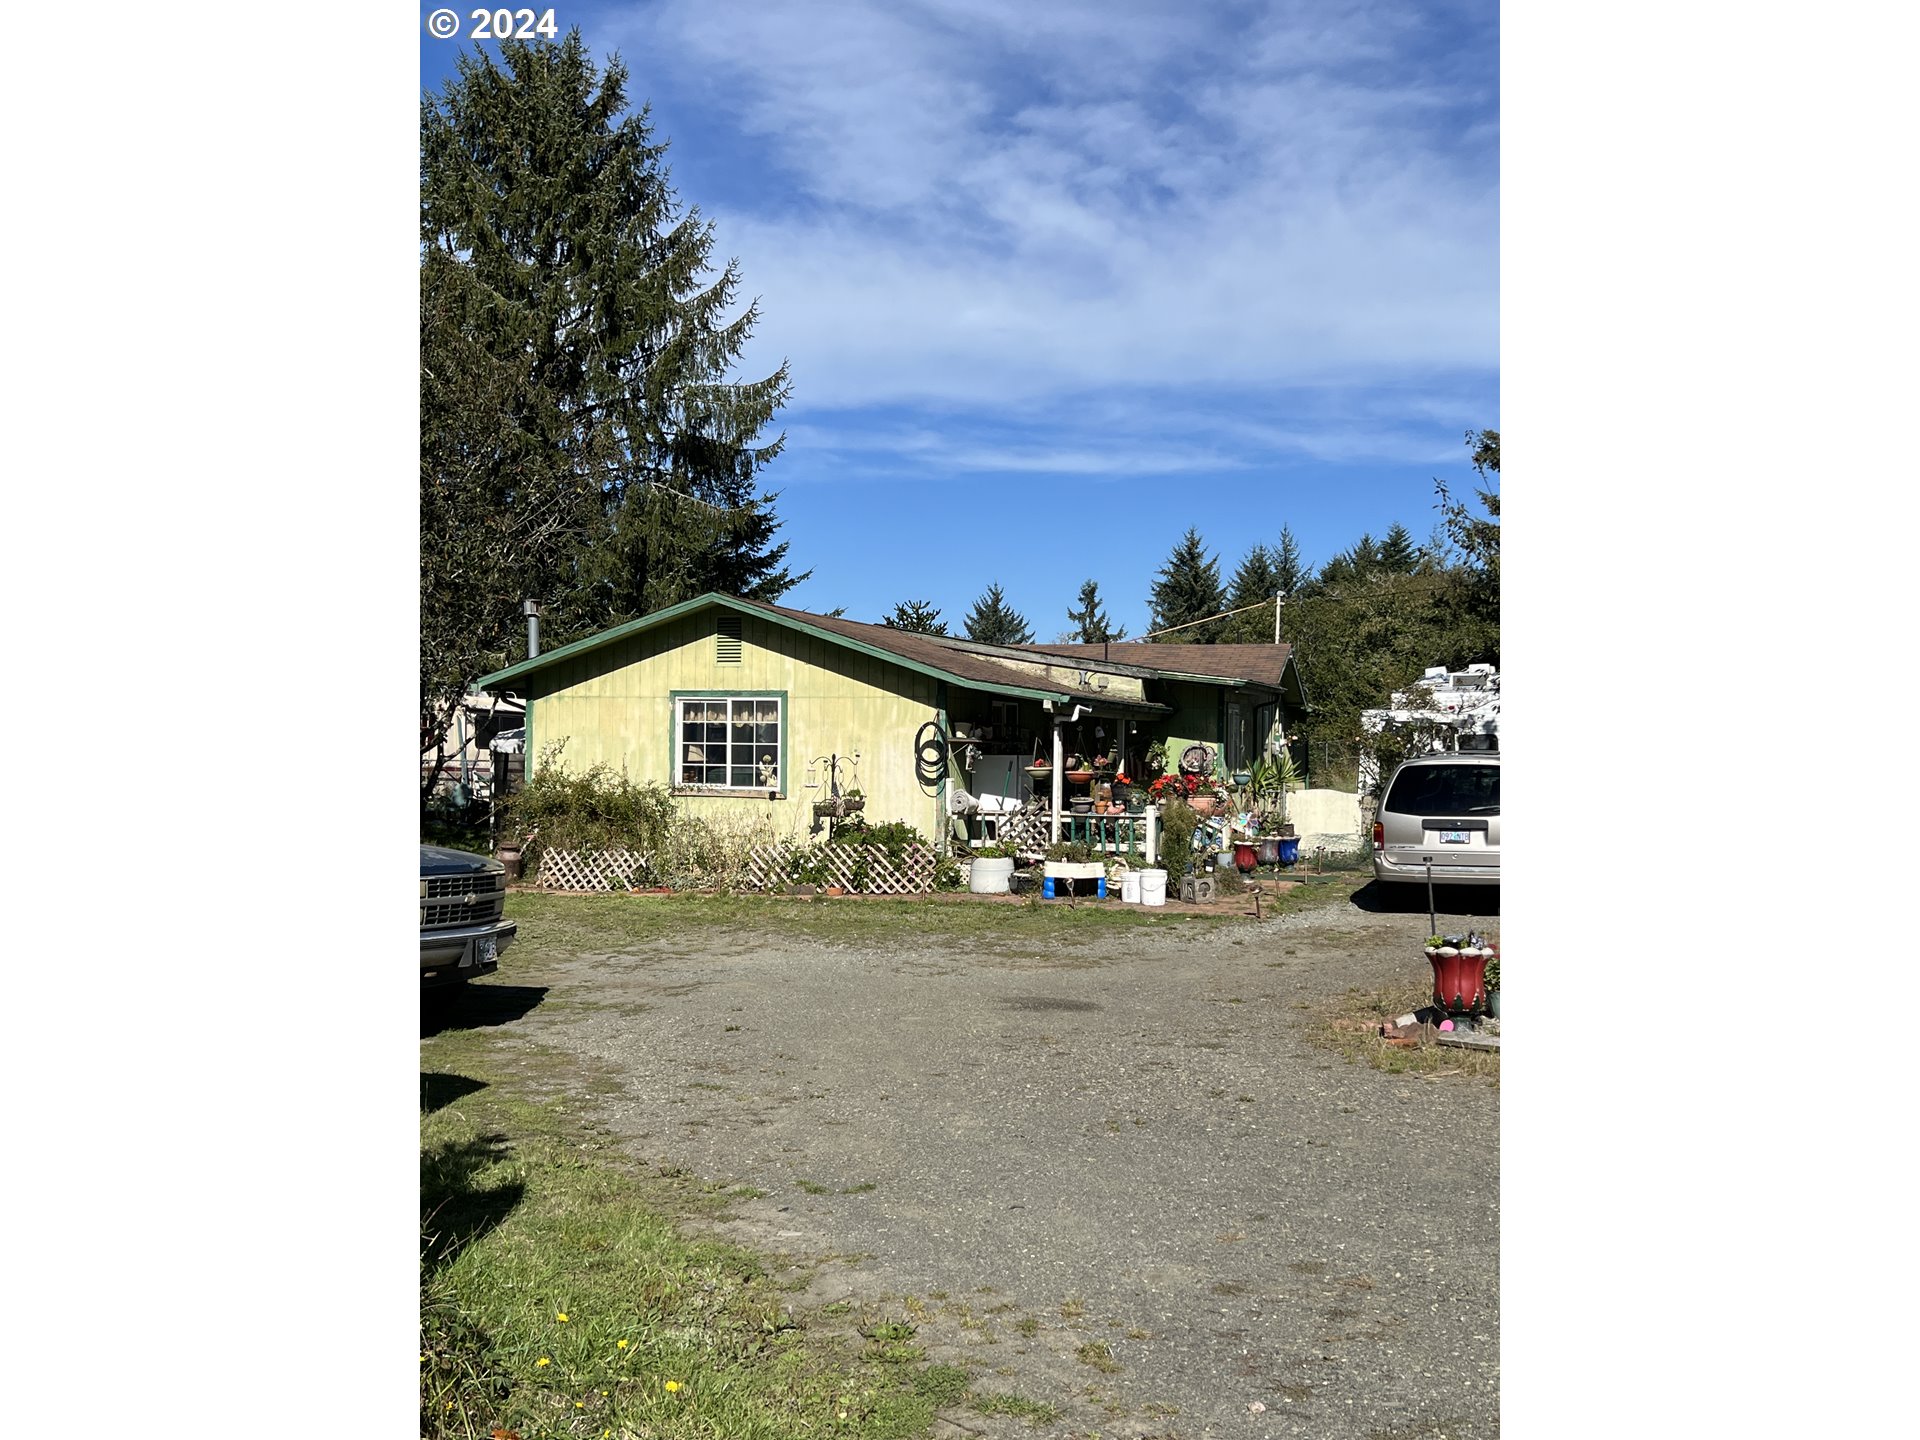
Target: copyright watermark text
x,y
445,24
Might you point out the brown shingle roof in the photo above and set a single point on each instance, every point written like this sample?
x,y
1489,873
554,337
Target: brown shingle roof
x,y
1259,664
921,649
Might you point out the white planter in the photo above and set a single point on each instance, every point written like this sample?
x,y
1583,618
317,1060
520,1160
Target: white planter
x,y
1075,870
989,876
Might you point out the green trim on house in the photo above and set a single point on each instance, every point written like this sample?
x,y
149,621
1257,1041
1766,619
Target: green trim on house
x,y
687,607
674,697
940,823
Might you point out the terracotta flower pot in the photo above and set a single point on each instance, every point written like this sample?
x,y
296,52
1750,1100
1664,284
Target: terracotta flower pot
x,y
1202,804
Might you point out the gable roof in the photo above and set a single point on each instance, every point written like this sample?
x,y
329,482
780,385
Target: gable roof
x,y
967,663
922,653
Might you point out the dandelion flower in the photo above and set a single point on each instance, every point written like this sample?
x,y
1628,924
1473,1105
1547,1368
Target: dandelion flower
x,y
543,1360
561,1317
621,1346
672,1385
579,1404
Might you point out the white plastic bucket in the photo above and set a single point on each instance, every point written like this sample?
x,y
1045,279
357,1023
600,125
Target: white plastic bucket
x,y
1130,887
989,877
1153,887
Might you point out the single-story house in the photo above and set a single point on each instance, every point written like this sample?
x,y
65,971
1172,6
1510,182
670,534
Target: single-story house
x,y
757,709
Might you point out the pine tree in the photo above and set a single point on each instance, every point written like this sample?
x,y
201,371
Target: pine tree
x,y
1188,589
582,430
1398,554
1090,625
994,622
1356,563
919,616
1289,574
1254,581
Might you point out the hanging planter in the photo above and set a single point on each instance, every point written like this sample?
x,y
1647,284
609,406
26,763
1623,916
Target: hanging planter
x,y
839,807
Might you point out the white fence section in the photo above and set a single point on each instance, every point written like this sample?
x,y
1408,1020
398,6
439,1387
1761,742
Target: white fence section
x,y
863,869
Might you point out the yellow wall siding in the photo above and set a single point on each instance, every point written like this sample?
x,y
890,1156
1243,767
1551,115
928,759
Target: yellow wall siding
x,y
615,706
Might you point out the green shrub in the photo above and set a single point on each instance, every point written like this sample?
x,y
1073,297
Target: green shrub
x,y
593,809
1177,825
1000,850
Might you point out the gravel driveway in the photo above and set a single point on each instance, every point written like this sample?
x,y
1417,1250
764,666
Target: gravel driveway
x,y
1127,1143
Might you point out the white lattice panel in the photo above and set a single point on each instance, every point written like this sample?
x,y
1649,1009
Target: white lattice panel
x,y
589,869
766,869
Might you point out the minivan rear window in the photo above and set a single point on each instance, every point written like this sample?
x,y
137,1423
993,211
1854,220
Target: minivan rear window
x,y
1445,790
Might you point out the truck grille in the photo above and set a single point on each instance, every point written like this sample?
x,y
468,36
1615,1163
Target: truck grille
x,y
439,887
459,912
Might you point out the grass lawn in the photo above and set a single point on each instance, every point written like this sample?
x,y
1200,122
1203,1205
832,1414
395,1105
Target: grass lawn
x,y
567,923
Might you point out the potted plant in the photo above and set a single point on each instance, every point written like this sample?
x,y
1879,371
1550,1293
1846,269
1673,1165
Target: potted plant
x,y
992,868
1073,860
1459,972
1156,757
1203,793
1492,983
1078,770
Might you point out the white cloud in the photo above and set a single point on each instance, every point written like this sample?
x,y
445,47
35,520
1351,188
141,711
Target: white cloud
x,y
988,205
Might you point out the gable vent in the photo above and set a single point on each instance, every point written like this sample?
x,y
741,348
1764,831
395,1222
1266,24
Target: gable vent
x,y
726,640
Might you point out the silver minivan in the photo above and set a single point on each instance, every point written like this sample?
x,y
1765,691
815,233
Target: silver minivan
x,y
1440,816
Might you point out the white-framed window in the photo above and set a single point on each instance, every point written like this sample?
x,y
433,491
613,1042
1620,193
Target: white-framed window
x,y
728,742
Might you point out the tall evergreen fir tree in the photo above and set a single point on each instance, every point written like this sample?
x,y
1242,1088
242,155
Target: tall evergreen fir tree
x,y
1398,554
1355,563
1090,623
1254,580
992,621
1288,571
580,415
920,616
1188,589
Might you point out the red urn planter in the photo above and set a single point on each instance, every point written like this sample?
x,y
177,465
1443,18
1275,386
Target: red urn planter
x,y
1245,858
1459,979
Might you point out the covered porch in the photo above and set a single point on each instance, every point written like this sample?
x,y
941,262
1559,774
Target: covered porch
x,y
1040,773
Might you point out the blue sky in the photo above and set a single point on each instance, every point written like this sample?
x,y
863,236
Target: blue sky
x,y
1056,281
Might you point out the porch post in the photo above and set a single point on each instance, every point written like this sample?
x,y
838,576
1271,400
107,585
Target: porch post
x,y
1058,765
1152,818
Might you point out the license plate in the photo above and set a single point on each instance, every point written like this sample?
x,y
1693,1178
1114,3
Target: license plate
x,y
1455,837
485,949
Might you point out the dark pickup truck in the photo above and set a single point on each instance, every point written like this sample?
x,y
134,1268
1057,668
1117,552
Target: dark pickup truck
x,y
461,930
